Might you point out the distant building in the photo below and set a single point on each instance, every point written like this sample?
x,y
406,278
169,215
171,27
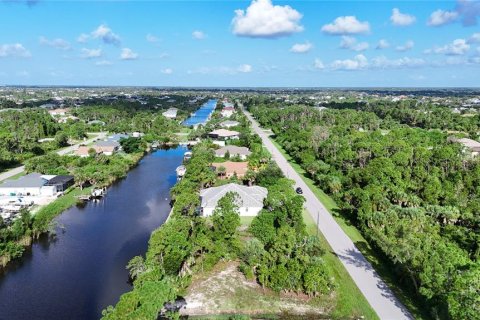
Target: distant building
x,y
232,169
227,112
229,123
170,113
33,184
117,137
234,151
58,112
250,199
224,134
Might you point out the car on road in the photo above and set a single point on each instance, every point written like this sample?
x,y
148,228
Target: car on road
x,y
299,190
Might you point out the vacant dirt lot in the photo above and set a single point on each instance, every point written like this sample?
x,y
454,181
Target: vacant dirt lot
x,y
225,290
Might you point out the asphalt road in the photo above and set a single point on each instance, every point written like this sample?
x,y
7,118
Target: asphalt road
x,y
378,294
17,170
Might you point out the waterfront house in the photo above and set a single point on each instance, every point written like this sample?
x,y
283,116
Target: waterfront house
x,y
249,201
84,151
228,169
227,112
170,113
33,184
117,137
233,151
229,124
61,183
108,147
224,134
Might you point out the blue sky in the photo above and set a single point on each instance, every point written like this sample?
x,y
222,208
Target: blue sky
x,y
212,43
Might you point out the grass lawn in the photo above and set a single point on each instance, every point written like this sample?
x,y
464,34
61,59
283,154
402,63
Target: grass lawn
x,y
380,266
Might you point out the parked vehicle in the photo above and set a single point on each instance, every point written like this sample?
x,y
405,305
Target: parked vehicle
x,y
299,190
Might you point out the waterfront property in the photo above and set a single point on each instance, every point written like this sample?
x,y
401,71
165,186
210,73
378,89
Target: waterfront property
x,y
224,134
33,184
229,124
61,183
227,112
170,113
233,151
249,201
229,169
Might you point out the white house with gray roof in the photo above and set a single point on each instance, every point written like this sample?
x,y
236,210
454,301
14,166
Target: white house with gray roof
x,y
229,124
234,151
250,199
33,184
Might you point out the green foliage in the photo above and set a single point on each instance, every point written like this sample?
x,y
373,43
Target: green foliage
x,y
132,145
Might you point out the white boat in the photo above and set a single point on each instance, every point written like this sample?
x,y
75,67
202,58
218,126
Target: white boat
x,y
181,170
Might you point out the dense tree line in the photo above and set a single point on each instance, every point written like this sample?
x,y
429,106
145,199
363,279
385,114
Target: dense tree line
x,y
410,191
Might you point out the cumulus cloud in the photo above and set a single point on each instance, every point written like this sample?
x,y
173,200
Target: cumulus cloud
x,y
346,25
301,47
352,44
106,34
151,38
475,38
167,71
318,64
245,68
128,54
457,48
442,17
55,43
90,53
83,38
384,63
401,19
382,44
15,50
199,35
357,63
405,47
262,19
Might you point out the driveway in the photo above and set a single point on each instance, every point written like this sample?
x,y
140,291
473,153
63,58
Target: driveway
x,y
375,290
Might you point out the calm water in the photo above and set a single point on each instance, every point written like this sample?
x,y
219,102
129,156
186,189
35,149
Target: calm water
x,y
201,116
83,270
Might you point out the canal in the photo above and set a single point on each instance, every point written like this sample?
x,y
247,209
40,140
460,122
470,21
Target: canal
x,y
202,114
82,271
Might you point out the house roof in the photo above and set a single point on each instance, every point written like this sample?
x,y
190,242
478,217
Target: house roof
x,y
59,180
31,180
224,133
468,143
118,136
240,168
229,123
248,196
233,150
108,143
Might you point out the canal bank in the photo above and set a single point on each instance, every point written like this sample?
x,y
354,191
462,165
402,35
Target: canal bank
x,y
82,270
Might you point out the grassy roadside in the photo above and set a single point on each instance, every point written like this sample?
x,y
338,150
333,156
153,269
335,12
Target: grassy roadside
x,y
350,301
354,234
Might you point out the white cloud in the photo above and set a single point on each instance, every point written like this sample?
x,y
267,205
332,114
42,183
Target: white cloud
x,y
103,63
441,17
352,44
199,35
15,50
384,63
83,38
128,54
262,19
167,71
357,63
106,34
405,47
301,47
458,47
55,43
475,38
245,68
401,19
346,25
318,64
90,53
382,44
151,38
